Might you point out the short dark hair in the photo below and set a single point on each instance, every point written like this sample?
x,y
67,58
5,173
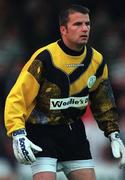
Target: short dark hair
x,y
64,14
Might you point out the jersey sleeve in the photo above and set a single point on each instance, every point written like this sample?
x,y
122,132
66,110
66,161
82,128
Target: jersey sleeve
x,y
104,108
21,99
102,100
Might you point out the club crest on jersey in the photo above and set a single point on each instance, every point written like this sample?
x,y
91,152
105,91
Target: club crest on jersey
x,y
91,81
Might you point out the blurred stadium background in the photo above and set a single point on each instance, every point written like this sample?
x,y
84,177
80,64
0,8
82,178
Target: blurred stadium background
x,y
29,24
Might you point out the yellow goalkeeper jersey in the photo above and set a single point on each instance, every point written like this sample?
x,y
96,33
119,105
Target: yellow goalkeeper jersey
x,y
55,86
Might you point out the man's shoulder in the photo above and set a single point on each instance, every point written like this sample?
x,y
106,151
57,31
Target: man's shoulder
x,y
47,47
95,51
44,49
97,56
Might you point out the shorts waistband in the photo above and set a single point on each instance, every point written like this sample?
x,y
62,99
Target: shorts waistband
x,y
70,123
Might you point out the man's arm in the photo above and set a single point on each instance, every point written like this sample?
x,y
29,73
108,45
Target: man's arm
x,y
19,104
104,108
105,113
22,97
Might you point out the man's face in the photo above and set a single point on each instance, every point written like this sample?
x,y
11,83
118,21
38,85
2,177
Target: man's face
x,y
76,33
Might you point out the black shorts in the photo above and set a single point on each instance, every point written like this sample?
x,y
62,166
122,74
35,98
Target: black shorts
x,y
60,141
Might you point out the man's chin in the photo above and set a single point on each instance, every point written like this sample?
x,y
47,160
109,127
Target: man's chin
x,y
83,43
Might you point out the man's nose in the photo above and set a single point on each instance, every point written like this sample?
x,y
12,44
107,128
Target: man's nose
x,y
85,28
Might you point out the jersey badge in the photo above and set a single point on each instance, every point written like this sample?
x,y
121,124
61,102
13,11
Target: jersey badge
x,y
91,81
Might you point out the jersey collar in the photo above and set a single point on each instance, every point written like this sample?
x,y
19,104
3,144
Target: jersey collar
x,y
68,50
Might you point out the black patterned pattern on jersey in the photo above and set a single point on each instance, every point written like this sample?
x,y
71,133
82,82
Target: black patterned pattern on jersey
x,y
104,108
53,74
36,64
81,69
84,92
74,112
99,71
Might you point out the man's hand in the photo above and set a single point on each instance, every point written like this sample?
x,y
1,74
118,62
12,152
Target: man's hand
x,y
118,148
23,148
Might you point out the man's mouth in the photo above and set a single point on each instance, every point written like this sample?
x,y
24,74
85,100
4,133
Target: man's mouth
x,y
84,36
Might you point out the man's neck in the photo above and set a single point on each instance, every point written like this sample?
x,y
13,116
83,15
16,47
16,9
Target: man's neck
x,y
73,47
70,51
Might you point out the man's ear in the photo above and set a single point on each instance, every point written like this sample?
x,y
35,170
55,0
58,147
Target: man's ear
x,y
63,30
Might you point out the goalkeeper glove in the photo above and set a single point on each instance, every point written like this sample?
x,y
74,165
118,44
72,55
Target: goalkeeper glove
x,y
23,148
118,148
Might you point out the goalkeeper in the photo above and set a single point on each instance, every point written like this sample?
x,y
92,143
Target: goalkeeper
x,y
44,108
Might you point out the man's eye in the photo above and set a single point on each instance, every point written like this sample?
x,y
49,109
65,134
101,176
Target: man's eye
x,y
78,24
88,24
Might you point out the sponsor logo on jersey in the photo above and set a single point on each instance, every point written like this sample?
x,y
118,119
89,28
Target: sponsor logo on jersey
x,y
74,65
64,103
91,81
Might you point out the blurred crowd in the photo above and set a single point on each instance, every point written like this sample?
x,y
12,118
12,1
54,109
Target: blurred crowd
x,y
27,25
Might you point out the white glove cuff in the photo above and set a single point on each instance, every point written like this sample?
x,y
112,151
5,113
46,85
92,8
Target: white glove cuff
x,y
19,132
114,136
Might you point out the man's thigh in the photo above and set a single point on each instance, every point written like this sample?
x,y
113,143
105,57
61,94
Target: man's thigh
x,y
82,174
76,167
